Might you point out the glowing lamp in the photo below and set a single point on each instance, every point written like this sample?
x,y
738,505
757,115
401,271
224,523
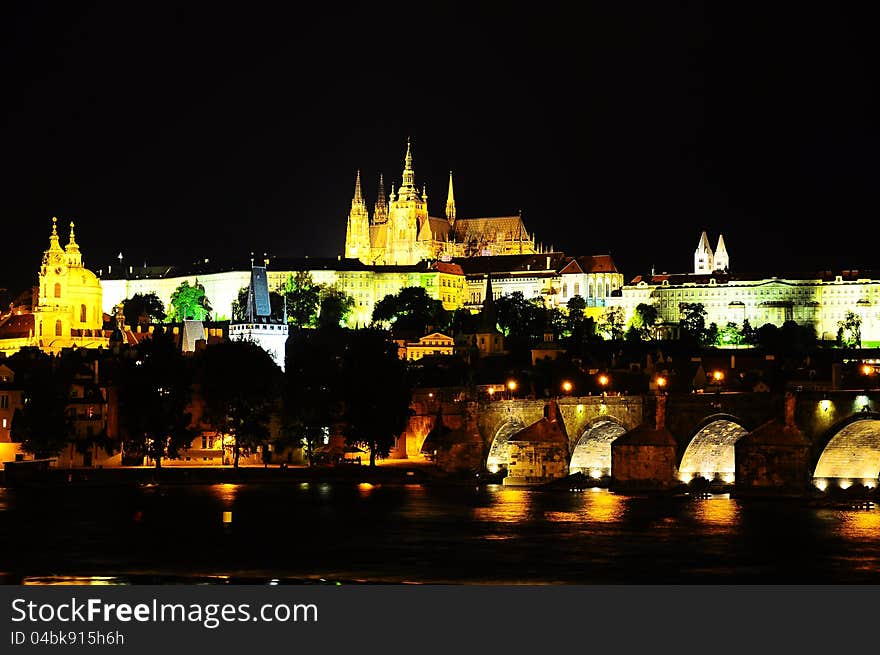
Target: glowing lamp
x,y
661,382
867,369
717,376
511,384
566,386
603,380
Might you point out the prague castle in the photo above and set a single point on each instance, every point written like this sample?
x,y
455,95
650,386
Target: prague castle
x,y
401,231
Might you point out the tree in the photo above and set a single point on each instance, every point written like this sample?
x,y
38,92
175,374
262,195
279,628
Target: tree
x,y
313,386
612,322
849,330
375,392
335,308
154,397
143,308
692,321
190,303
643,320
412,308
729,335
42,425
710,336
749,334
574,321
521,319
240,384
303,299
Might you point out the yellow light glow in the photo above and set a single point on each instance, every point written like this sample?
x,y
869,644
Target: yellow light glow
x,y
728,478
844,484
869,483
596,473
825,405
494,468
491,391
661,382
603,380
685,477
821,484
227,517
867,369
717,376
566,386
511,384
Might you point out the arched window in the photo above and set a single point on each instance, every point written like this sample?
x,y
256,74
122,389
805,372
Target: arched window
x,y
83,317
41,328
58,328
57,289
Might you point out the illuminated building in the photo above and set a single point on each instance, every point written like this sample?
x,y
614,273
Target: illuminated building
x,y
818,299
258,327
401,231
67,310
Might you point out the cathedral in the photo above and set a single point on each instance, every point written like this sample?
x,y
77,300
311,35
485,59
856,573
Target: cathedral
x,y
402,232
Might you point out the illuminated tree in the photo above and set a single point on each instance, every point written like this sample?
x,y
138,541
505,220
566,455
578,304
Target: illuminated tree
x,y
143,308
849,330
729,335
190,303
154,397
303,300
240,384
613,322
643,320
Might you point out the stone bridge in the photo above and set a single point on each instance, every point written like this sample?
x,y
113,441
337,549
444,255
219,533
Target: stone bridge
x,y
842,427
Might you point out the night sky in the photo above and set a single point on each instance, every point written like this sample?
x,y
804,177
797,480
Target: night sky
x,y
172,134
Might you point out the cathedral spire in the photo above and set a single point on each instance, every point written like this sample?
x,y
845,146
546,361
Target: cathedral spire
x,y
450,202
703,259
407,188
722,259
358,198
380,210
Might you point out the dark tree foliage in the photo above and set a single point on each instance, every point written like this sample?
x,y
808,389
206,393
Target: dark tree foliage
x,y
692,322
412,308
143,308
376,395
334,308
155,389
42,425
313,385
303,300
240,384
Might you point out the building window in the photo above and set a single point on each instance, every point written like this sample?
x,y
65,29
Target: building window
x,y
83,316
565,290
4,423
4,403
57,289
58,328
577,288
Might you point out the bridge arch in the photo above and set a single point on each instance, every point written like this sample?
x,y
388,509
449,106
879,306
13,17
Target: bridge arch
x,y
591,454
498,452
849,451
710,450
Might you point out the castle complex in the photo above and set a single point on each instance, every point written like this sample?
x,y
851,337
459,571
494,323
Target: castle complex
x,y
401,231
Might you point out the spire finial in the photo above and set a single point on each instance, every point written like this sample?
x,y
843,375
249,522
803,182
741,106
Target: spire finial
x,y
72,247
358,197
53,238
408,175
450,202
72,235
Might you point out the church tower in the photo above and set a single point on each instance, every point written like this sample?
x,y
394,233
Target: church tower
x,y
380,210
703,258
450,203
722,260
357,232
406,214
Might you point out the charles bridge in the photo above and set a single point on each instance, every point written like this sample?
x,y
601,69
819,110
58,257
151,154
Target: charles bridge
x,y
771,439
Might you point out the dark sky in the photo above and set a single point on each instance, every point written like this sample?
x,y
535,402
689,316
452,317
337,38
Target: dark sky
x,y
179,133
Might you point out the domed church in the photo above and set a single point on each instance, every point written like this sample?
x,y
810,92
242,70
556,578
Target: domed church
x,y
68,304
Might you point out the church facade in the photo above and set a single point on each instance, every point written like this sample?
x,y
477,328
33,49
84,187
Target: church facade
x,y
67,310
401,231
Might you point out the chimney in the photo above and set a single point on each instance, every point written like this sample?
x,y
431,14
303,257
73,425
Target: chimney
x,y
660,417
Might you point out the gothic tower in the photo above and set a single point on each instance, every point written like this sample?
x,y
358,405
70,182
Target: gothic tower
x,y
703,258
357,232
722,259
380,210
450,203
406,214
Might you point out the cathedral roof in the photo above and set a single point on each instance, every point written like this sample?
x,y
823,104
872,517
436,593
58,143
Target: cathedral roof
x,y
435,229
510,227
378,235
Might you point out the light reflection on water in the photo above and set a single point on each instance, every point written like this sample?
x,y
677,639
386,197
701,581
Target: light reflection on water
x,y
64,580
425,533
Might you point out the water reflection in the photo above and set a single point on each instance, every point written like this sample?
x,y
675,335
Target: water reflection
x,y
64,580
860,524
225,492
717,510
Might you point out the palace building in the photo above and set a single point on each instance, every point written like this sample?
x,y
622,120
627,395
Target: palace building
x,y
402,232
815,298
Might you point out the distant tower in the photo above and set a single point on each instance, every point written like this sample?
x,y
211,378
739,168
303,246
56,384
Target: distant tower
x,y
722,260
380,211
703,258
407,213
258,326
450,203
357,232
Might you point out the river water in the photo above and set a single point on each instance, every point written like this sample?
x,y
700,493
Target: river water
x,y
349,533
